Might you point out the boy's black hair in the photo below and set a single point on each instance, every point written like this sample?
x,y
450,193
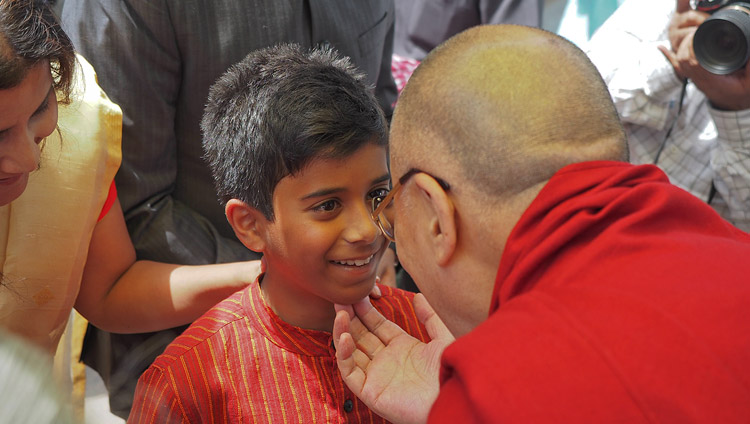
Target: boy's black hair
x,y
269,115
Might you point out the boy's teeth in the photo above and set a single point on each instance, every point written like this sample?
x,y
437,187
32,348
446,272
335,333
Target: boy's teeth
x,y
356,262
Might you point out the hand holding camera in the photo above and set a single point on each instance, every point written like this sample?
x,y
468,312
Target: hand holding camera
x,y
684,23
710,42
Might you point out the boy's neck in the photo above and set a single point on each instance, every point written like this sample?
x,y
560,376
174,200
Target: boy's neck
x,y
298,308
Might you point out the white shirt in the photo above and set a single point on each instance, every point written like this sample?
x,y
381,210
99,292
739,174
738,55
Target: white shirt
x,y
706,145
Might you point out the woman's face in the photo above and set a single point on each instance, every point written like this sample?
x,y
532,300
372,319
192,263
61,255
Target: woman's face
x,y
28,114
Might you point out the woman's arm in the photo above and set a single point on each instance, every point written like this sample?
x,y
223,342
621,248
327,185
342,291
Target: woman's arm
x,y
121,295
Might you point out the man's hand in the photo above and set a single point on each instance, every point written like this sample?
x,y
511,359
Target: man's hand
x,y
682,27
728,92
684,22
393,373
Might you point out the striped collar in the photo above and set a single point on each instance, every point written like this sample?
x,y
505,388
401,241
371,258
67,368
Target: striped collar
x,y
295,339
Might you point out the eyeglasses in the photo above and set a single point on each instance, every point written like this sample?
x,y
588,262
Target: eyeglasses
x,y
382,207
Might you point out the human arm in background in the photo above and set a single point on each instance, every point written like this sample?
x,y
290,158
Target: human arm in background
x,y
120,294
393,373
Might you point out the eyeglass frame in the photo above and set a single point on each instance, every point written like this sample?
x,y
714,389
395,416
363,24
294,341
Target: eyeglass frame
x,y
379,205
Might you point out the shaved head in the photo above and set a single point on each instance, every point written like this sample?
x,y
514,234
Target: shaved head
x,y
504,107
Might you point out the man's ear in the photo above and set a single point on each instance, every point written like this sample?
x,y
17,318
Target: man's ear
x,y
443,225
247,223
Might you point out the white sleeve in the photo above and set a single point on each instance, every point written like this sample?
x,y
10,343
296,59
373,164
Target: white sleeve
x,y
730,161
641,80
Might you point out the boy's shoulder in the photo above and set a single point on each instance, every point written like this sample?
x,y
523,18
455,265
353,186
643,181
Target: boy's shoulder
x,y
224,314
397,305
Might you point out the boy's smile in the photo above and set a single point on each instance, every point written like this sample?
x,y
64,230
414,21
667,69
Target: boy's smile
x,y
359,266
323,246
356,262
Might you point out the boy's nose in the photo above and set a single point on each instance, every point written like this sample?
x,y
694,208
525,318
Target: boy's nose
x,y
361,227
22,154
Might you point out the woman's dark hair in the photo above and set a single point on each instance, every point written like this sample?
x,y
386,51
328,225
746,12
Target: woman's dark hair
x,y
30,33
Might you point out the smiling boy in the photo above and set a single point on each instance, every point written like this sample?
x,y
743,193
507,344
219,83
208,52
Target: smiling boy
x,y
298,148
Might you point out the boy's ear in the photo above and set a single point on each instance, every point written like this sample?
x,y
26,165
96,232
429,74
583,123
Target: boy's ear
x,y
247,222
441,218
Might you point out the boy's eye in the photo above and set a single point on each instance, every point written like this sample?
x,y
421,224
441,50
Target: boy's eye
x,y
327,206
379,192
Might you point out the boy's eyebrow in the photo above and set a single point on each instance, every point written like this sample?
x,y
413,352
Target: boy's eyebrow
x,y
383,178
324,192
328,191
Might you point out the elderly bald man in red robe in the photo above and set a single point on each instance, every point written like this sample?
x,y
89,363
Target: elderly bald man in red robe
x,y
578,287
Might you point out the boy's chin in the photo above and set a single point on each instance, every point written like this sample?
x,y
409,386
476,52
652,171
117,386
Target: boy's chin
x,y
355,294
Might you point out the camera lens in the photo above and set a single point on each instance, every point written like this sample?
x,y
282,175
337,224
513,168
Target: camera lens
x,y
722,42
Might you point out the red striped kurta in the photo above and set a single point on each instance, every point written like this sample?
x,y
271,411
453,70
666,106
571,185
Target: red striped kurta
x,y
241,363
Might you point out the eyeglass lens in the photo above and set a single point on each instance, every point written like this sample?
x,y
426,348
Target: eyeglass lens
x,y
385,216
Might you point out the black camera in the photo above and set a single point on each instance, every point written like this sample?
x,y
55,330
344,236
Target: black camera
x,y
722,42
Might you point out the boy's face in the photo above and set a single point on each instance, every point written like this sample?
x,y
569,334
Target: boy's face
x,y
323,246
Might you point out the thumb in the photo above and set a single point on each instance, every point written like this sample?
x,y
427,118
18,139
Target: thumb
x,y
668,55
672,58
432,322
